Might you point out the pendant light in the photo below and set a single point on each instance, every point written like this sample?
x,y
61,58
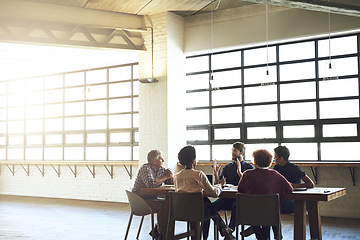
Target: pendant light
x,y
152,79
267,80
212,81
330,72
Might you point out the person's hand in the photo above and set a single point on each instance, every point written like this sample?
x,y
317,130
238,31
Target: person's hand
x,y
238,162
168,173
222,182
216,167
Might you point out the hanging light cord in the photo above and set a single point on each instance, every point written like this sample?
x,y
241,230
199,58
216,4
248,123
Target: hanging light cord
x,y
267,39
329,40
212,36
212,33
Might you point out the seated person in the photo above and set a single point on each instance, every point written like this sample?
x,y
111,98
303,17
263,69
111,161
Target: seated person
x,y
191,180
151,175
292,173
232,173
262,180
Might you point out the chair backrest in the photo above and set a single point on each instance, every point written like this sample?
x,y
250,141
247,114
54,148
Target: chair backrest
x,y
257,210
186,206
138,205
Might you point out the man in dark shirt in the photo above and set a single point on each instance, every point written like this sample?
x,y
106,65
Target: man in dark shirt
x,y
292,173
231,173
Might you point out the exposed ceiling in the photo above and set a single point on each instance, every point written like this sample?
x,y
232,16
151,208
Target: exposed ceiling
x,y
14,57
190,7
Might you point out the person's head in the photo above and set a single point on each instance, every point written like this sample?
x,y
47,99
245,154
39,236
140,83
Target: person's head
x,y
187,156
155,158
262,158
282,154
238,149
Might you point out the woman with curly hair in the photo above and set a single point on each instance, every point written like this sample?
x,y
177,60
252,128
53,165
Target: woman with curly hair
x,y
262,180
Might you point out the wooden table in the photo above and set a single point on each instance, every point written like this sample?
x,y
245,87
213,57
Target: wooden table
x,y
311,196
160,191
164,191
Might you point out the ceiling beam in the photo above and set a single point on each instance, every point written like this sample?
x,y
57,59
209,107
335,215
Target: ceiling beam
x,y
37,11
314,5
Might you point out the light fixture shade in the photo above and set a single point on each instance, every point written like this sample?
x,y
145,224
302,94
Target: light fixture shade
x,y
148,80
330,72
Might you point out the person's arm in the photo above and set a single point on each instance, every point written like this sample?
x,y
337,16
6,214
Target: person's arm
x,y
216,168
288,186
213,191
242,184
307,182
167,175
238,164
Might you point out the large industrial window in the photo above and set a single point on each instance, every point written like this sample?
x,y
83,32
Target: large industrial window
x,y
278,94
90,115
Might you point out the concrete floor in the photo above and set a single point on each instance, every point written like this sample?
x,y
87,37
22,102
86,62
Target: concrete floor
x,y
44,219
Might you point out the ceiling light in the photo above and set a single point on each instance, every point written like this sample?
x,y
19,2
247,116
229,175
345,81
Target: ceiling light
x,y
148,80
330,73
152,79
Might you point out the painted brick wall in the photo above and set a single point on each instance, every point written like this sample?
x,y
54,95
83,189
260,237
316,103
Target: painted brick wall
x,y
84,186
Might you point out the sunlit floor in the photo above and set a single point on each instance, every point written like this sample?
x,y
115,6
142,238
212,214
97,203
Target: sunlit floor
x,y
42,219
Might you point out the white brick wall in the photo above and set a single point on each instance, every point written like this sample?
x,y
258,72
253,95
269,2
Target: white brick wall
x,y
84,186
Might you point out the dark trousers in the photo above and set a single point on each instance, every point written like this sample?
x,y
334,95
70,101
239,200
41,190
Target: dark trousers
x,y
228,204
209,210
263,232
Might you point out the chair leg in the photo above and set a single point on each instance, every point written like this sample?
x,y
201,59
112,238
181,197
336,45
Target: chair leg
x,y
128,227
141,222
279,232
168,229
242,230
226,219
152,224
236,231
216,228
187,230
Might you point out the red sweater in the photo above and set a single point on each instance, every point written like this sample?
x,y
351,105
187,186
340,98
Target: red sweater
x,y
264,181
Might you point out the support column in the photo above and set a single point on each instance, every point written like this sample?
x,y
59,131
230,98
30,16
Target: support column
x,y
162,104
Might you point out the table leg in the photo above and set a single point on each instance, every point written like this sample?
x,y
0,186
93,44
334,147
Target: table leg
x,y
314,220
299,220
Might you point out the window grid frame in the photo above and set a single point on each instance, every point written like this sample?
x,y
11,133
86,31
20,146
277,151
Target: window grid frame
x,y
318,123
84,131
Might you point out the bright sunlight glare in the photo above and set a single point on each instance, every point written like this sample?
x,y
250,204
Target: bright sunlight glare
x,y
24,60
19,61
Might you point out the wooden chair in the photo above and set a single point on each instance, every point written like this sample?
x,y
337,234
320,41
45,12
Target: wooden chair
x,y
139,207
189,207
257,210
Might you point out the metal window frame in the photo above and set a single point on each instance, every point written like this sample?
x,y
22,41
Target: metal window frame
x,y
131,130
279,124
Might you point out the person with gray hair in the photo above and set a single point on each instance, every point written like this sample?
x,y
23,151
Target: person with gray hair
x,y
150,175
